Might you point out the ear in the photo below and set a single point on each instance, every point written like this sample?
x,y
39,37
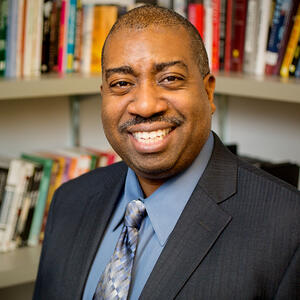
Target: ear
x,y
209,85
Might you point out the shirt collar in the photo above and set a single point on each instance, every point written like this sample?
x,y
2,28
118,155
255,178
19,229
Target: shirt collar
x,y
166,204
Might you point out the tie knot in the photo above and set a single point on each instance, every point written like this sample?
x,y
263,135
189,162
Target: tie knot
x,y
135,212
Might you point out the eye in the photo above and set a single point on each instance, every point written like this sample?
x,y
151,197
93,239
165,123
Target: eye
x,y
170,79
121,83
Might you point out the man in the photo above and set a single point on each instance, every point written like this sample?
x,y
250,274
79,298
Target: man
x,y
210,225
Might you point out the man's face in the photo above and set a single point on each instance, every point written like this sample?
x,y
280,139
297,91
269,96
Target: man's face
x,y
156,108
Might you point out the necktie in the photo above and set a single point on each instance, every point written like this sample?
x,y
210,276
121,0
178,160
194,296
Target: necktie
x,y
115,280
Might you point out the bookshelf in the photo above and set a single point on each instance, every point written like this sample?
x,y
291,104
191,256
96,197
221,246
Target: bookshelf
x,y
232,84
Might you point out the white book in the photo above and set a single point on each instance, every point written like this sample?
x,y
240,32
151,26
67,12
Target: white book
x,y
251,37
28,38
19,38
37,38
13,194
180,7
87,29
107,2
262,37
208,34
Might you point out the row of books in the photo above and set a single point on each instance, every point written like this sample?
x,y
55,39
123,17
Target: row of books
x,y
27,185
251,36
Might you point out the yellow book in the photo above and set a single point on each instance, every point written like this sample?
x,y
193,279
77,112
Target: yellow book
x,y
104,18
291,46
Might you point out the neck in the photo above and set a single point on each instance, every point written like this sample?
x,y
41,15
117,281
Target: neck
x,y
149,186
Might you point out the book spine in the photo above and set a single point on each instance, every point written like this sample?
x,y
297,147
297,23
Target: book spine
x,y
47,11
238,35
54,36
88,12
291,46
36,54
3,25
208,25
78,37
28,38
8,42
288,25
20,37
251,37
222,35
71,35
216,5
62,34
295,60
196,16
227,56
280,12
264,13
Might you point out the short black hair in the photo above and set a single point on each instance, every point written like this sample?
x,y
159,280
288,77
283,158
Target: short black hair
x,y
147,15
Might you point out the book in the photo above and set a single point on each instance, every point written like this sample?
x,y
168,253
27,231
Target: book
x,y
78,37
87,28
239,14
180,7
293,65
222,35
264,13
227,54
196,16
47,11
63,33
54,36
15,186
289,21
251,36
297,72
3,25
216,7
4,166
11,39
71,35
281,11
37,35
208,34
291,46
104,18
29,205
37,220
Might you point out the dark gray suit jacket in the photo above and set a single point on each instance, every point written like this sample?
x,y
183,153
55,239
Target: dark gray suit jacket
x,y
237,238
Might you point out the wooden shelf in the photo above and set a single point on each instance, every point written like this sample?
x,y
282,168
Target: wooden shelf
x,y
232,84
19,266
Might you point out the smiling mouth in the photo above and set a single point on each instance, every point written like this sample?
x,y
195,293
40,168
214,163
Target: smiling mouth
x,y
150,137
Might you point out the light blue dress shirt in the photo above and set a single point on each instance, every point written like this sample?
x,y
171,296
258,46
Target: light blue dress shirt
x,y
163,207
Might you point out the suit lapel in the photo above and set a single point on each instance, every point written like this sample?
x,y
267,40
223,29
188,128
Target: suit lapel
x,y
198,228
91,230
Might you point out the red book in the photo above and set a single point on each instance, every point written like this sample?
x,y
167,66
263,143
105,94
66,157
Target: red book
x,y
196,16
216,4
227,57
239,16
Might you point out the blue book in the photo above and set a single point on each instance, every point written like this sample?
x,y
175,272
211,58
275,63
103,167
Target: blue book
x,y
71,35
281,12
11,38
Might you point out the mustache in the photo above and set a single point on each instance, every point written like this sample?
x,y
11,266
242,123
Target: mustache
x,y
174,121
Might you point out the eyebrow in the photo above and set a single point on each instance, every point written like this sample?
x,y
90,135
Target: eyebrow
x,y
161,66
122,70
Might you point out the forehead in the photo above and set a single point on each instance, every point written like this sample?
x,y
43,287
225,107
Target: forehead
x,y
152,44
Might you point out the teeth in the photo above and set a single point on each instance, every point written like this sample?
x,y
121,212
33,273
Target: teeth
x,y
152,136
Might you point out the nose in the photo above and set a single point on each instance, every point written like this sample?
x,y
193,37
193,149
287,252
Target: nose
x,y
147,101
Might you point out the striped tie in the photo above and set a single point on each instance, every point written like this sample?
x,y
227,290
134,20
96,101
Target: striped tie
x,y
115,280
